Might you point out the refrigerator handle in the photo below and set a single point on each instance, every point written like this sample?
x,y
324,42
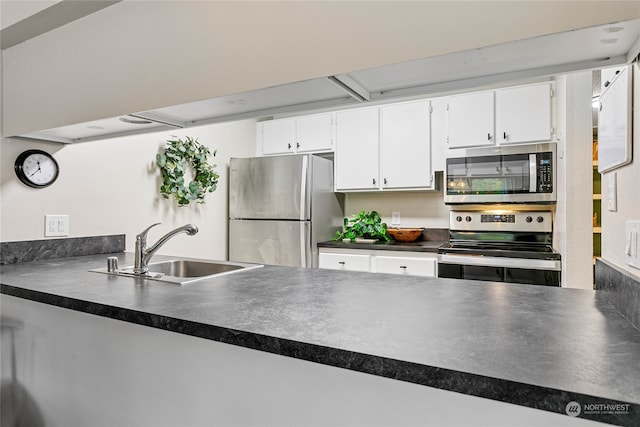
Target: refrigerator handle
x,y
303,189
304,245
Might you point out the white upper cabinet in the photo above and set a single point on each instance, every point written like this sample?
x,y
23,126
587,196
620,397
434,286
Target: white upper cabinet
x,y
314,133
278,136
438,132
514,115
304,134
470,120
523,114
406,145
384,148
357,159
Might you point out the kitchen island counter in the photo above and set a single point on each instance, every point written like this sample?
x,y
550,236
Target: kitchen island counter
x,y
533,346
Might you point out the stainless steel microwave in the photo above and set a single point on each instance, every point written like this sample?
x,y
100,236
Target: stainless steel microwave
x,y
503,174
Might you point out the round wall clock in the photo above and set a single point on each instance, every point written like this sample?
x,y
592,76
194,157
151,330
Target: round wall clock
x,y
36,168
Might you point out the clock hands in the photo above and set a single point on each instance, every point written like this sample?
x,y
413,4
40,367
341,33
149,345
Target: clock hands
x,y
37,170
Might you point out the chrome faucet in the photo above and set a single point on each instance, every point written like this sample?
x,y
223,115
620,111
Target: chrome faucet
x,y
143,253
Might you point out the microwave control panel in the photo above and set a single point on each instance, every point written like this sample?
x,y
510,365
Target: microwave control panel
x,y
545,173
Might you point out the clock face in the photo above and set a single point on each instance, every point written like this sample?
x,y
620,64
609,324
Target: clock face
x,y
36,168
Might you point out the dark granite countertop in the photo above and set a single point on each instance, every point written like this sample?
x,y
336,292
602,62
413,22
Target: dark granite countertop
x,y
535,346
421,246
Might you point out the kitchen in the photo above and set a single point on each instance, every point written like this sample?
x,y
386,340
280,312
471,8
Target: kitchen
x,y
91,186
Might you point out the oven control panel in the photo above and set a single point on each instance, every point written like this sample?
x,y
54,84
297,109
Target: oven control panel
x,y
538,221
498,218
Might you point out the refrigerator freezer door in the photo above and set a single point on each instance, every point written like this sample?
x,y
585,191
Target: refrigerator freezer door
x,y
274,187
270,242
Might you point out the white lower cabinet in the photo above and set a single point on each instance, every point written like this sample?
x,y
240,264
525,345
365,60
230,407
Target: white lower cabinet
x,y
344,261
377,261
410,266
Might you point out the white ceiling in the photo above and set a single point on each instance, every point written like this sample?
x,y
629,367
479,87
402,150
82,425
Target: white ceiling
x,y
14,11
25,19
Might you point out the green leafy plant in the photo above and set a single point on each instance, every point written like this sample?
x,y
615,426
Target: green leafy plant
x,y
366,225
173,162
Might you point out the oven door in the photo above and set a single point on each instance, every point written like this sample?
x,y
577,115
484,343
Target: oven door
x,y
499,269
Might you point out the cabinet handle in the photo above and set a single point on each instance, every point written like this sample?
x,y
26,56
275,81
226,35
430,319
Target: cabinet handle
x,y
374,181
385,181
297,145
341,262
289,146
403,266
504,135
488,137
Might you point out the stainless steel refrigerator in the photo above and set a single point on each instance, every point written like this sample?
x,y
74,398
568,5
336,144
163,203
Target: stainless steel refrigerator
x,y
280,207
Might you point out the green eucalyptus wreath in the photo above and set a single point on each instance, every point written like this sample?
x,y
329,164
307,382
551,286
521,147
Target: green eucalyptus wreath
x,y
173,162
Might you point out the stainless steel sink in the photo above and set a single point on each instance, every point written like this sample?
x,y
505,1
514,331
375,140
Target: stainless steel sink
x,y
182,271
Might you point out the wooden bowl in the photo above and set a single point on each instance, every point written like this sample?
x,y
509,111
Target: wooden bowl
x,y
405,234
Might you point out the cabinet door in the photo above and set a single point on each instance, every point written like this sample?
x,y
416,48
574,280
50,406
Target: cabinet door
x,y
409,266
406,145
314,133
470,120
523,114
357,149
347,262
438,133
278,136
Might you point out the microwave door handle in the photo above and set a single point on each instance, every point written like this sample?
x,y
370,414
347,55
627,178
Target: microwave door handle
x,y
533,173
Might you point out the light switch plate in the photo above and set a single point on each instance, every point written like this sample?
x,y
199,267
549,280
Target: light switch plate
x,y
632,243
56,225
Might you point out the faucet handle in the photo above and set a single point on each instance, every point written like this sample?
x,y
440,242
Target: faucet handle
x,y
143,234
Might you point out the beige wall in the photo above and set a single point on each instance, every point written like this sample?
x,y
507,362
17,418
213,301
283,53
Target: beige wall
x,y
140,55
417,209
628,182
111,187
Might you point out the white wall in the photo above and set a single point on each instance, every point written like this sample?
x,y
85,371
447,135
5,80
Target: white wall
x,y
139,55
628,181
111,187
573,216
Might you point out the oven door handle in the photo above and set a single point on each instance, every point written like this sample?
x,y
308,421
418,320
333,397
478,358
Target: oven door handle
x,y
487,261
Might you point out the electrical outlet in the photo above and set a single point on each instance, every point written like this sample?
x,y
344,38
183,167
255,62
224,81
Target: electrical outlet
x,y
56,225
632,243
395,218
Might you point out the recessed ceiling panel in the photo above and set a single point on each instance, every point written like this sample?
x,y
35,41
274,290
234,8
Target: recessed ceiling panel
x,y
97,128
590,44
297,93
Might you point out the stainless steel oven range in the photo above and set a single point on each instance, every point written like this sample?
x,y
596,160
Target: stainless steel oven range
x,y
501,245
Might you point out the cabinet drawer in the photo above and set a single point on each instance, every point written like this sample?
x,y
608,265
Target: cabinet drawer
x,y
347,262
410,266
